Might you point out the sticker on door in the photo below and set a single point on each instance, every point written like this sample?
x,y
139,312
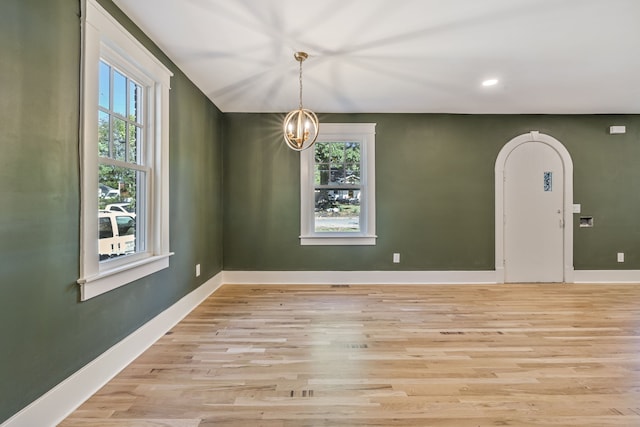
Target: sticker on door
x,y
548,181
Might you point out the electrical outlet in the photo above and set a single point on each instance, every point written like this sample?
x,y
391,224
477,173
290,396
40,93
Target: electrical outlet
x,y
620,256
396,258
197,270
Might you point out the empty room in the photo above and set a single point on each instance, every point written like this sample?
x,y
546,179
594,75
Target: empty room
x,y
319,213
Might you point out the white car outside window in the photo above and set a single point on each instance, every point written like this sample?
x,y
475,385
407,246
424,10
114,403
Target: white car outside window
x,y
121,207
116,233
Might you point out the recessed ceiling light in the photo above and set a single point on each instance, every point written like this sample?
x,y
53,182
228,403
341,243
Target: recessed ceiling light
x,y
490,82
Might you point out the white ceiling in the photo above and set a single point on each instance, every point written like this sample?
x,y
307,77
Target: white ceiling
x,y
388,56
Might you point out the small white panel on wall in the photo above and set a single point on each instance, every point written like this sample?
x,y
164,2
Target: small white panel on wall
x,y
617,129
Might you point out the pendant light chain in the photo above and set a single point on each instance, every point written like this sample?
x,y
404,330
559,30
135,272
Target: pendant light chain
x,y
300,77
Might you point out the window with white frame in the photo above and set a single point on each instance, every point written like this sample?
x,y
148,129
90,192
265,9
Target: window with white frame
x,y
337,177
124,157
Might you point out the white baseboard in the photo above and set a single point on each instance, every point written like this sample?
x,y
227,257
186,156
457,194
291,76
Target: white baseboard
x,y
359,277
606,276
60,401
412,277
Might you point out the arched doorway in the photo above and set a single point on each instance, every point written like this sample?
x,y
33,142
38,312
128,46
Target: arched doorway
x,y
534,205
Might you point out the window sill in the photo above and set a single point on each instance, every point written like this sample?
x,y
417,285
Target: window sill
x,y
337,240
111,279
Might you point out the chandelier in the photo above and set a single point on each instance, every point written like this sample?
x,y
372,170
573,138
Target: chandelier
x,y
301,125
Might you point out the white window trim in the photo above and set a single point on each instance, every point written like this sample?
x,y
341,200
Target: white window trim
x,y
103,35
338,132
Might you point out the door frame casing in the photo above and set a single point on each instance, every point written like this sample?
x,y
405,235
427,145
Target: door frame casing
x,y
567,163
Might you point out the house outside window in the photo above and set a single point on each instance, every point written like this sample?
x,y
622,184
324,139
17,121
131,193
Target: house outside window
x,y
338,186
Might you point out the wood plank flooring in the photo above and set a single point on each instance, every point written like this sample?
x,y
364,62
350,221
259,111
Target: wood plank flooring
x,y
445,356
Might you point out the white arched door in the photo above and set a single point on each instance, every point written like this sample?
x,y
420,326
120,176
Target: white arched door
x,y
533,204
534,214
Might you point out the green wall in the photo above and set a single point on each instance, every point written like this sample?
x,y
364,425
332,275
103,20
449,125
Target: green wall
x,y
47,334
434,191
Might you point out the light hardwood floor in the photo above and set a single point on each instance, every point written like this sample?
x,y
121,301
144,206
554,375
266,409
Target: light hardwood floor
x,y
447,356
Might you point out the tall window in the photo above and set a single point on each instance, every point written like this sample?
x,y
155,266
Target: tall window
x,y
124,155
338,186
122,166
